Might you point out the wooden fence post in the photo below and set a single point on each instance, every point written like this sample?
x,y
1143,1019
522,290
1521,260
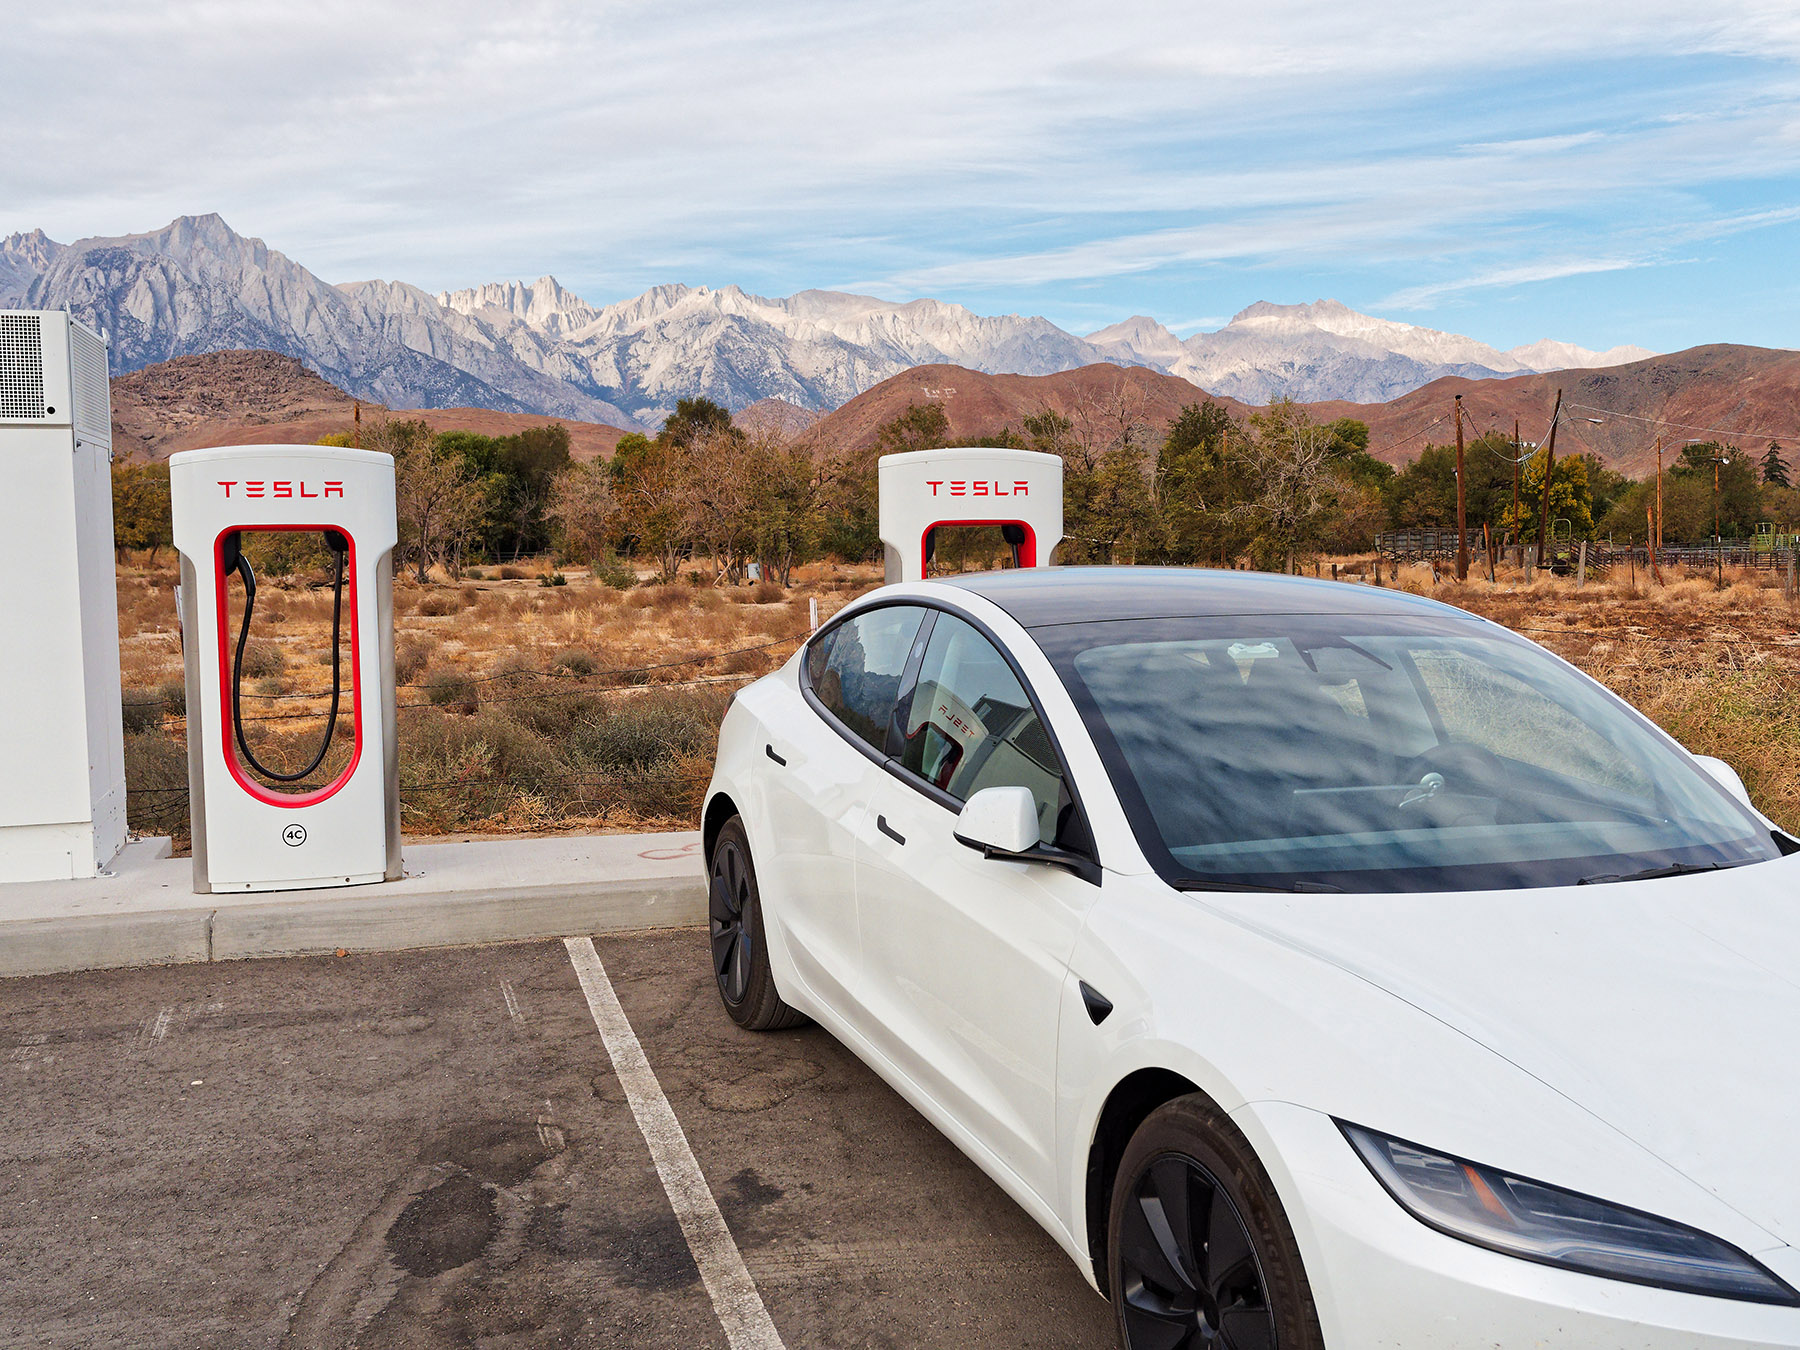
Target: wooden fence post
x,y
1581,567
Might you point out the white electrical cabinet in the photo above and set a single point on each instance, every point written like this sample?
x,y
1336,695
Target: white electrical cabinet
x,y
260,822
62,745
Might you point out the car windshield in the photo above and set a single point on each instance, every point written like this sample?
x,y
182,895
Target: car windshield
x,y
1387,753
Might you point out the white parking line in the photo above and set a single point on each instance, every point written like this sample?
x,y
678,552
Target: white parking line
x,y
739,1307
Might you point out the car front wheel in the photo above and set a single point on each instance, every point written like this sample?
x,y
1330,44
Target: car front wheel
x,y
740,955
1201,1255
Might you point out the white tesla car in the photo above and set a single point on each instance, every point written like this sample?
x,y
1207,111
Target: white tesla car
x,y
1319,965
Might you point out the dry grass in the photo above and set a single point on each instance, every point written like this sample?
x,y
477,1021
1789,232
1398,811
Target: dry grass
x,y
516,698
1716,667
580,706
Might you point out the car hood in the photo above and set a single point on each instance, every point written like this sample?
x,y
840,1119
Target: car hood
x,y
1669,1008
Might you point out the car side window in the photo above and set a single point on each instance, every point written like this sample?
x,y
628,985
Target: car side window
x,y
855,669
971,725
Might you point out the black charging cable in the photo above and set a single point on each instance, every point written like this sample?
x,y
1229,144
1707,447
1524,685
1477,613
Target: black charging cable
x,y
234,560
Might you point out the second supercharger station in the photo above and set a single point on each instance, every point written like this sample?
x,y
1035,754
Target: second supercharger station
x,y
257,828
1021,491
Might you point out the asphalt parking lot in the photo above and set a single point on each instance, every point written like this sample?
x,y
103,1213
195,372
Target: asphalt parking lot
x,y
433,1149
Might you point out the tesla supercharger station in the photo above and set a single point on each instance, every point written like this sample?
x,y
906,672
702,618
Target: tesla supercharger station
x,y
62,742
258,827
1021,491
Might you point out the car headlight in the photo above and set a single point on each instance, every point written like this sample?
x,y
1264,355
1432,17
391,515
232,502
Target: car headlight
x,y
1556,1227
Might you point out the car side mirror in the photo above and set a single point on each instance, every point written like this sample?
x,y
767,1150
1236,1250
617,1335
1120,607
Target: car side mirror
x,y
1000,821
1722,773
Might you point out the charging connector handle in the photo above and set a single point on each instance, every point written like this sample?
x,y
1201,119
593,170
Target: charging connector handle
x,y
233,559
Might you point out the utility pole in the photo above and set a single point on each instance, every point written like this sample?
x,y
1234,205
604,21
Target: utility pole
x,y
356,428
1462,513
1718,536
1549,464
1659,534
1518,524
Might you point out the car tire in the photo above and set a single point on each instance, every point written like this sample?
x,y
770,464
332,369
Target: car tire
x,y
740,953
1200,1253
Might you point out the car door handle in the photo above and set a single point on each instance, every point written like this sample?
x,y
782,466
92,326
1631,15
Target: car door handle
x,y
769,750
887,829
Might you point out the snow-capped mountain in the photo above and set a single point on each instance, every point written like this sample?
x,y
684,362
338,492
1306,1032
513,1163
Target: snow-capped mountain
x,y
1327,350
817,349
197,286
1552,355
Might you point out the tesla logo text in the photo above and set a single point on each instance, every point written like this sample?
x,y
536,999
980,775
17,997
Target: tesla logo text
x,y
287,488
962,487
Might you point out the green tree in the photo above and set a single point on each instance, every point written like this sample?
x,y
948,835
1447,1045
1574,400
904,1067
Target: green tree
x,y
1774,466
692,419
1570,498
1293,492
437,503
1423,494
923,426
1729,479
140,497
1193,489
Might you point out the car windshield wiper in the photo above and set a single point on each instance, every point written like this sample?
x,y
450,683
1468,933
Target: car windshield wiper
x,y
1651,873
1298,888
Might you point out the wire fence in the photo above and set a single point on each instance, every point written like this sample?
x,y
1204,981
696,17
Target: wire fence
x,y
450,681
1761,553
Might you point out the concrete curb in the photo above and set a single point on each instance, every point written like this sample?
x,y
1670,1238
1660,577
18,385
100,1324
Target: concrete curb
x,y
454,894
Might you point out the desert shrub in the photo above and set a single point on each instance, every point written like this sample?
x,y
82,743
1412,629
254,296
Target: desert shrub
x,y
411,655
156,784
441,603
767,593
514,676
576,661
553,579
475,574
612,571
740,662
511,573
263,659
141,708
639,731
452,690
173,693
665,597
270,687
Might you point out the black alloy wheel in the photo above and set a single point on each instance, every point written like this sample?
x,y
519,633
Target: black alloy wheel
x,y
1191,1277
1200,1254
732,937
740,948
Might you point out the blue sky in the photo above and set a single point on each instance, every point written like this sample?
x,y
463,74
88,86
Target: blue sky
x,y
1511,170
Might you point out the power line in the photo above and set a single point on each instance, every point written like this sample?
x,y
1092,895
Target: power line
x,y
1688,426
1394,445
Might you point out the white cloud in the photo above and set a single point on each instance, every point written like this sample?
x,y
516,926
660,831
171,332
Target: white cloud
x,y
1422,297
917,145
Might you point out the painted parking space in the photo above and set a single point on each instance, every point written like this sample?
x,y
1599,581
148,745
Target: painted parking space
x,y
861,1224
434,1149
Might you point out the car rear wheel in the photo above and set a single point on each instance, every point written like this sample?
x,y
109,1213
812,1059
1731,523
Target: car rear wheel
x,y
740,955
1201,1255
